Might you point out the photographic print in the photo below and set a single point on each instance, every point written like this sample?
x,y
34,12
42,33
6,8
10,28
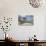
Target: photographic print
x,y
25,20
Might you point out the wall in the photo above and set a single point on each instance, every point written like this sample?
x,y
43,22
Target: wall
x,y
45,28
12,8
24,32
